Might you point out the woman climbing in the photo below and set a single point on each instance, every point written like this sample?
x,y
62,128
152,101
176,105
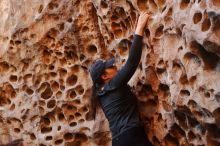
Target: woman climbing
x,y
111,92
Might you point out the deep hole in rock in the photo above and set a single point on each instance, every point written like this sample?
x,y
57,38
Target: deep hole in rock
x,y
92,49
46,120
68,136
71,80
62,72
213,130
142,4
177,131
206,24
184,109
152,5
47,93
147,32
115,26
124,46
181,120
184,4
161,3
209,59
71,94
59,141
192,80
4,66
48,138
171,141
69,54
164,89
191,136
46,130
81,120
216,2
192,121
159,31
17,130
184,93
51,104
104,4
61,117
55,86
216,114
32,136
81,136
212,47
215,23
77,114
190,56
79,89
217,97
13,78
72,124
40,8
197,17
59,128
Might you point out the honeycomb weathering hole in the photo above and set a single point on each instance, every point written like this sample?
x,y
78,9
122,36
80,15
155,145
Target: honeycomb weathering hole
x,y
142,4
104,4
206,24
4,66
61,117
79,89
216,2
71,80
209,59
51,103
123,46
68,136
58,142
184,4
46,129
159,31
92,49
197,17
190,56
71,93
47,93
49,138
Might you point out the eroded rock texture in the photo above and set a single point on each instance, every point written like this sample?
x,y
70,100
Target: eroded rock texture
x,y
48,45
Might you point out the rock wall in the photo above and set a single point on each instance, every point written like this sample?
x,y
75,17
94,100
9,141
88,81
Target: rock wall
x,y
48,45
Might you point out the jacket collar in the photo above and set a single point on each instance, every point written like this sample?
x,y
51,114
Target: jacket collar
x,y
102,90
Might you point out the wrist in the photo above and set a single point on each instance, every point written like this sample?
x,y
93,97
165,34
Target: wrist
x,y
139,31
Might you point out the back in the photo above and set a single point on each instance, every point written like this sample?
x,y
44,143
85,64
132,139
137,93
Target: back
x,y
120,108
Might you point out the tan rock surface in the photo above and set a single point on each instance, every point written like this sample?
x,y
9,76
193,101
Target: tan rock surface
x,y
46,49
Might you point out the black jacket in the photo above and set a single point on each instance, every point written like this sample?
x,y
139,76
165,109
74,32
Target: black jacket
x,y
117,100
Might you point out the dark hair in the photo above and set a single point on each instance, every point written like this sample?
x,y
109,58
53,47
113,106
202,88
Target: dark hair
x,y
94,101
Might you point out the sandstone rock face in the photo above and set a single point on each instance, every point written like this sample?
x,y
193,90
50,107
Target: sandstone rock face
x,y
48,45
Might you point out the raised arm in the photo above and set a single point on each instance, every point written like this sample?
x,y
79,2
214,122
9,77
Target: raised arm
x,y
127,71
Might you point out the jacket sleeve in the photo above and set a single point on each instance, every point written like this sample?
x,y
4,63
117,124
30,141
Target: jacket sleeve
x,y
126,72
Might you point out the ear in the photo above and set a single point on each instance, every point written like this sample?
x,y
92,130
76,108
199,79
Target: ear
x,y
104,76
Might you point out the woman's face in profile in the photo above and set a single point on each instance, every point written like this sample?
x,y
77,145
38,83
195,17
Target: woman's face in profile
x,y
110,72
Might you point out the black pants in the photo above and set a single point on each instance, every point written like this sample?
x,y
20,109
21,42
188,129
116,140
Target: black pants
x,y
132,137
